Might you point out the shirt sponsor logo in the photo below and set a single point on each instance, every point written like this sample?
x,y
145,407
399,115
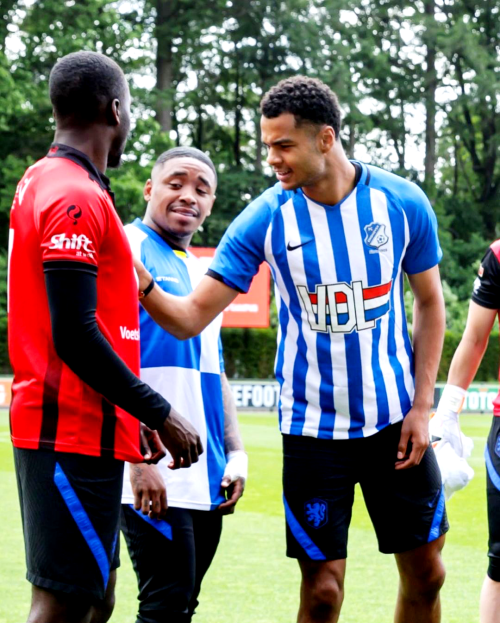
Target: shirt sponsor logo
x,y
129,334
343,308
375,235
78,243
292,246
172,279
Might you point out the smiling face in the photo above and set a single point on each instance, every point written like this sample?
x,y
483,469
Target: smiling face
x,y
297,154
180,195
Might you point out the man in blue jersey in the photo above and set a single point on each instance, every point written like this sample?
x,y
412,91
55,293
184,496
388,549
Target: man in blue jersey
x,y
339,237
172,548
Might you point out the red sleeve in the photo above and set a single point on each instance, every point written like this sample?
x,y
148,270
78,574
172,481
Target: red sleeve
x,y
72,224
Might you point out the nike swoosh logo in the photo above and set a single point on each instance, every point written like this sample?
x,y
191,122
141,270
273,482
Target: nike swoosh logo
x,y
290,247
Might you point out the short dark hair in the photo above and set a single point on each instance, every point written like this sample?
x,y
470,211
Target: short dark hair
x,y
308,99
81,84
185,152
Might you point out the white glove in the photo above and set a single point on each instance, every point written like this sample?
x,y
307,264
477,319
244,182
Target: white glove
x,y
456,473
236,466
451,446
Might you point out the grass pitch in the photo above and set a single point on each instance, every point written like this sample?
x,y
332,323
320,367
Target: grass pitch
x,y
251,580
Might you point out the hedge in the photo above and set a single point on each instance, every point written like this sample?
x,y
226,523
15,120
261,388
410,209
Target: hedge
x,y
249,353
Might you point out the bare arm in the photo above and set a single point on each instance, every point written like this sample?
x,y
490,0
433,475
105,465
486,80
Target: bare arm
x,y
233,481
428,333
471,349
185,316
232,437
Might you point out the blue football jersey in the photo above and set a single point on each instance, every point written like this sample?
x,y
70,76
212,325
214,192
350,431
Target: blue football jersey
x,y
187,373
344,358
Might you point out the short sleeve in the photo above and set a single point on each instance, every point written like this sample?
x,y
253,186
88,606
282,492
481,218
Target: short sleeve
x,y
486,291
72,225
241,250
423,251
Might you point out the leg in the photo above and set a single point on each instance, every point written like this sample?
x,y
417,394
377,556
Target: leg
x,y
58,607
207,527
319,476
102,610
64,499
489,606
162,553
321,591
421,575
408,512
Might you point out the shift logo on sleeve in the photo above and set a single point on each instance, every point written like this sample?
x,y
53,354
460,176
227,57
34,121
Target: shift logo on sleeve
x,y
81,244
343,308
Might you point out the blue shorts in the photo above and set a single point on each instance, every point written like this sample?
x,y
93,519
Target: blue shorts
x,y
406,507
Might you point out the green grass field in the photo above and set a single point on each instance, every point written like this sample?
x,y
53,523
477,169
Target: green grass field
x,y
251,580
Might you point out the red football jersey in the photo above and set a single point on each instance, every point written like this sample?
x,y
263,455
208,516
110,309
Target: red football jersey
x,y
63,210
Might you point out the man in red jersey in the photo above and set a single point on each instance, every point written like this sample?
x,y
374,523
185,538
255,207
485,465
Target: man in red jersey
x,y
484,309
74,348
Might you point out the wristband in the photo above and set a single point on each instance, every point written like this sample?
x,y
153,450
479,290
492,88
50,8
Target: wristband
x,y
452,398
237,465
148,289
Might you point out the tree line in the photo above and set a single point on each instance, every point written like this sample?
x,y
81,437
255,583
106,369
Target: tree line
x,y
418,82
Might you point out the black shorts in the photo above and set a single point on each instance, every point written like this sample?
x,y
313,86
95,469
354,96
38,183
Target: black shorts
x,y
170,557
492,459
70,509
406,507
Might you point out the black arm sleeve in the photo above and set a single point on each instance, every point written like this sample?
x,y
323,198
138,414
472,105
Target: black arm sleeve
x,y
72,295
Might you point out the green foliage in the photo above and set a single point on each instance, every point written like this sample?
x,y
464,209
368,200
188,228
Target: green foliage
x,y
249,353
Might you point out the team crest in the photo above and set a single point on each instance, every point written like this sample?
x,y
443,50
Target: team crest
x,y
316,513
375,235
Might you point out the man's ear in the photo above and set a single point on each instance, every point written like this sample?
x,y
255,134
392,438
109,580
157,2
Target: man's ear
x,y
113,112
326,138
146,193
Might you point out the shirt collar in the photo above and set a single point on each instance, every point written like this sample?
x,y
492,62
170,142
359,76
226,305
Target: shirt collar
x,y
58,150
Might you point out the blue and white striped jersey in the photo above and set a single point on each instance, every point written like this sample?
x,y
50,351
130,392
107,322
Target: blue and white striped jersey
x,y
187,373
344,358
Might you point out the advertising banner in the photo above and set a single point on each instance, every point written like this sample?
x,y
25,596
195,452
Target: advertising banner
x,y
251,394
247,310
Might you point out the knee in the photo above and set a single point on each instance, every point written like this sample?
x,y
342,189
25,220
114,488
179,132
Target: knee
x,y
324,593
425,582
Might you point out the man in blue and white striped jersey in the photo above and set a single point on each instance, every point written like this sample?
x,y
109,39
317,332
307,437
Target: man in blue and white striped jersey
x,y
355,392
172,549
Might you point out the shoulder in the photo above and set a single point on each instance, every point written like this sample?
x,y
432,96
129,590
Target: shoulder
x,y
262,209
136,237
495,249
403,192
63,179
